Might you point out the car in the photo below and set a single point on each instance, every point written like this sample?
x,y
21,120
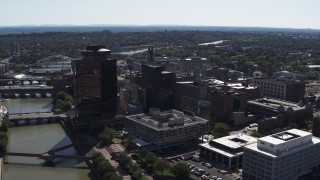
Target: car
x,y
191,166
219,179
188,164
208,173
214,177
223,171
239,178
173,161
208,165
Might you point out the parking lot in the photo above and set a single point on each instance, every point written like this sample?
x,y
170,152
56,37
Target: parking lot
x,y
209,172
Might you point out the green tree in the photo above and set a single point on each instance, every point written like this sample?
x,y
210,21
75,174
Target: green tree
x,y
106,136
180,171
129,142
161,165
124,159
220,130
62,101
143,153
133,167
256,134
5,124
138,174
97,159
151,158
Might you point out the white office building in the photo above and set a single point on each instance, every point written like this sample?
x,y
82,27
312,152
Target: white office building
x,y
226,150
281,156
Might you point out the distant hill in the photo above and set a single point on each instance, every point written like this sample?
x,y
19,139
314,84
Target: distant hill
x,y
135,28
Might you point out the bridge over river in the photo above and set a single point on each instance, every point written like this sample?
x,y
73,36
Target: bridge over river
x,y
26,91
50,155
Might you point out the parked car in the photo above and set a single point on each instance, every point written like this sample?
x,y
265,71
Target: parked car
x,y
173,161
214,177
219,179
208,165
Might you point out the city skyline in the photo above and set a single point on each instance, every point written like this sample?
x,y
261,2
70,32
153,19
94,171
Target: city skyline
x,y
244,13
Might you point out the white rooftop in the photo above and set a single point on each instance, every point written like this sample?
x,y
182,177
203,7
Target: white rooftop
x,y
231,142
284,142
285,136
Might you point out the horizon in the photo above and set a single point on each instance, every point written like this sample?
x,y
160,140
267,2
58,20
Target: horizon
x,y
293,14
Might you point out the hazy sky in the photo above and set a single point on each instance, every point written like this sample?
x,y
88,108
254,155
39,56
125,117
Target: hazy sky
x,y
258,13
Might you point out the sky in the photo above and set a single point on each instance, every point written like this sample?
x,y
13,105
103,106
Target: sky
x,y
248,13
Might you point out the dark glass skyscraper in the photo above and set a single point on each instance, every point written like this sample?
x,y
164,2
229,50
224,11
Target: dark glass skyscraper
x,y
96,83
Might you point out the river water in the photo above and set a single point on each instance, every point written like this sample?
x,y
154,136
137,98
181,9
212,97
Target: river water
x,y
39,139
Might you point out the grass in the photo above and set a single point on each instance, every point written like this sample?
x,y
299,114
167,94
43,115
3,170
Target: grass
x,y
165,173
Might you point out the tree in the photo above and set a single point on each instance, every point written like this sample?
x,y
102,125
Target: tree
x,y
104,167
62,101
256,134
97,158
151,158
106,136
5,124
133,167
144,153
129,142
161,165
180,171
138,174
124,159
220,130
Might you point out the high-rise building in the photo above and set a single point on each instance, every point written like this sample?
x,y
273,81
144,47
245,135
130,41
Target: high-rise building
x,y
284,155
96,83
159,87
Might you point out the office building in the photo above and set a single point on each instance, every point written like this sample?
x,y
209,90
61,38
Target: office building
x,y
95,83
282,156
291,112
226,150
167,129
282,88
159,87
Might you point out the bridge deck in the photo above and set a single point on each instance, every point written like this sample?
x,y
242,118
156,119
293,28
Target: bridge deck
x,y
45,155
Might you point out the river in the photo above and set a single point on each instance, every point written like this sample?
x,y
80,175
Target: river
x,y
39,139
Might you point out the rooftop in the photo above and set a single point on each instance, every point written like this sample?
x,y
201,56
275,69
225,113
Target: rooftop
x,y
285,136
284,143
276,104
167,119
229,145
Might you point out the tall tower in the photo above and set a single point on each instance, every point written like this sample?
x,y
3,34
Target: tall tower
x,y
96,84
150,57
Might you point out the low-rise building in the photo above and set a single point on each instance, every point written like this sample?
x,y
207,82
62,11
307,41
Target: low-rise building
x,y
167,129
281,156
292,112
226,150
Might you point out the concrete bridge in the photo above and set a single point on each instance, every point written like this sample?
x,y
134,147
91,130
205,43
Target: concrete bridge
x,y
23,91
26,118
50,155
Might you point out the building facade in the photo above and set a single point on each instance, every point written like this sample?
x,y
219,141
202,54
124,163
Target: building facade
x,y
95,83
226,150
159,87
281,88
281,156
268,107
167,129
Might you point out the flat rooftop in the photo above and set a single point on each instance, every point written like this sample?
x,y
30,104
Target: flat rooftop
x,y
276,104
163,120
285,136
255,148
229,145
